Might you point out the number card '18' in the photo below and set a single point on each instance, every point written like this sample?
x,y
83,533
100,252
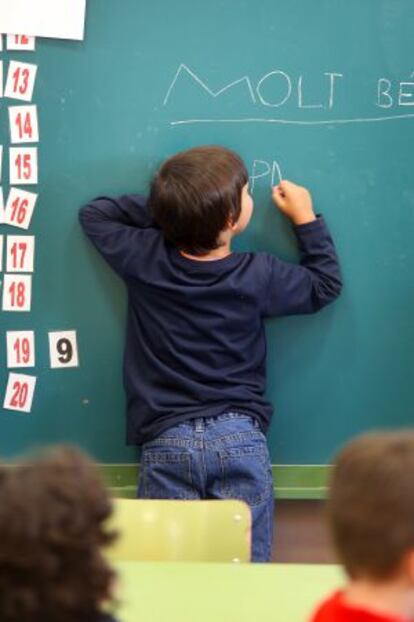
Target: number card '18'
x,y
19,208
20,81
24,127
20,348
63,349
23,165
17,292
19,392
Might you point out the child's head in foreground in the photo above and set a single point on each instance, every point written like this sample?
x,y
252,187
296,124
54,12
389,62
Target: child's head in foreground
x,y
52,527
371,507
199,196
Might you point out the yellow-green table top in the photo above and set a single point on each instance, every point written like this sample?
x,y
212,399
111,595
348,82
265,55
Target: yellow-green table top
x,y
187,592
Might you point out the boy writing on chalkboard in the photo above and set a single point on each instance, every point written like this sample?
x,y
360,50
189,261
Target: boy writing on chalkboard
x,y
371,513
195,356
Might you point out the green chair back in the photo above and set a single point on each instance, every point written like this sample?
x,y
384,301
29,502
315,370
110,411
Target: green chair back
x,y
171,530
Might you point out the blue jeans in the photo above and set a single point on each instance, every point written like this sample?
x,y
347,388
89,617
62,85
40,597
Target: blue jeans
x,y
224,457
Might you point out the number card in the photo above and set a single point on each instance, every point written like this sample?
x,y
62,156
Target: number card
x,y
1,75
19,392
17,292
23,165
20,348
1,43
19,208
24,127
20,80
63,349
20,42
1,205
1,158
1,253
20,253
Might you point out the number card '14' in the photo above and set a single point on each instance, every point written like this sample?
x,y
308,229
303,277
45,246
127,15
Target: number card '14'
x,y
24,127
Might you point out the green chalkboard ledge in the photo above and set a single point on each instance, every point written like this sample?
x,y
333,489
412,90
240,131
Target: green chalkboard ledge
x,y
307,481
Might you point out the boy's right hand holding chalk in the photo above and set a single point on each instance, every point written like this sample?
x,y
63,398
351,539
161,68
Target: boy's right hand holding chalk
x,y
294,201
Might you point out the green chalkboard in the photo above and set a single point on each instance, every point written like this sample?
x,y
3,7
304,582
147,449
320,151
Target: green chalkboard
x,y
320,92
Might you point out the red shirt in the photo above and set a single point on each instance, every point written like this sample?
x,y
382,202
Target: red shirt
x,y
335,609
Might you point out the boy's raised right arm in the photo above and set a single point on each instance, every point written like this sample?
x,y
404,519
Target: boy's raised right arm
x,y
305,288
118,228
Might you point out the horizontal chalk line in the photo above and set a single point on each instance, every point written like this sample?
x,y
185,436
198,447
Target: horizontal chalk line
x,y
294,122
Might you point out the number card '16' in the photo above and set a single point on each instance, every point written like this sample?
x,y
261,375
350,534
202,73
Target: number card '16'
x,y
19,208
63,349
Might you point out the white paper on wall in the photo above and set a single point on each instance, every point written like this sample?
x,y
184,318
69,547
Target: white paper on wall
x,y
60,19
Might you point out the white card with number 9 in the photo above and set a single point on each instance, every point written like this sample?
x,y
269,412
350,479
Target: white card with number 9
x,y
63,349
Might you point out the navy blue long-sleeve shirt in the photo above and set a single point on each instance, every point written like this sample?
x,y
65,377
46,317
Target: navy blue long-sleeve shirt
x,y
195,341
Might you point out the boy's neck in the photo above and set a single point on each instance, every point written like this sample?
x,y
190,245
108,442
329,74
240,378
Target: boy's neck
x,y
224,250
393,598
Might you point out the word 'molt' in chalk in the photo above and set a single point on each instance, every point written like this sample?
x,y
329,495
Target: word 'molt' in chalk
x,y
60,19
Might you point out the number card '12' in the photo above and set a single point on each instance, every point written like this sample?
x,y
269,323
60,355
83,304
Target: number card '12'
x,y
19,392
20,348
21,42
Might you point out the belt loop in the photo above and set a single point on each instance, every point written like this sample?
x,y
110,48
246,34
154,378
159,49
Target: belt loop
x,y
199,425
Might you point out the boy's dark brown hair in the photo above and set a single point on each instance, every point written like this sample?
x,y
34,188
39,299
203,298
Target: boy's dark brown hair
x,y
52,527
196,194
371,503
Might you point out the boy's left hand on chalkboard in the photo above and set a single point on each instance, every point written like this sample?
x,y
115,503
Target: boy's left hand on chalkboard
x,y
294,201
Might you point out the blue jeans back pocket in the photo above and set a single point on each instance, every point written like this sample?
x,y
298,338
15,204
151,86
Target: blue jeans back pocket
x,y
166,475
246,473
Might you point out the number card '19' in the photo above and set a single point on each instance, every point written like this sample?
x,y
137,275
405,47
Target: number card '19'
x,y
23,165
24,127
63,349
19,392
19,208
17,292
20,348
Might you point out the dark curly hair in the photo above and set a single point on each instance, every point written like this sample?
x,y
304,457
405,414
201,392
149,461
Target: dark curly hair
x,y
52,527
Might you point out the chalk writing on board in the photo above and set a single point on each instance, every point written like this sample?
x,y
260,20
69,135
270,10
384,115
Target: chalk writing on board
x,y
276,88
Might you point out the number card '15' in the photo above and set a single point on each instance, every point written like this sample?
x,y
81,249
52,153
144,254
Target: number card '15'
x,y
23,165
